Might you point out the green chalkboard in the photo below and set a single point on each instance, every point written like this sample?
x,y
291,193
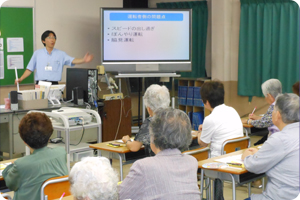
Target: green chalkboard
x,y
16,22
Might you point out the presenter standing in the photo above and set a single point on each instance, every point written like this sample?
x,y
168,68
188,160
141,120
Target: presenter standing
x,y
49,62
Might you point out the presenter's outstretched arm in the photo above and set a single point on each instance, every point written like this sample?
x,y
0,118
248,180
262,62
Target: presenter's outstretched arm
x,y
25,75
86,59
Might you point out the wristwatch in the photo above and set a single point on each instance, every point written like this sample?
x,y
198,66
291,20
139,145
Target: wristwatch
x,y
128,141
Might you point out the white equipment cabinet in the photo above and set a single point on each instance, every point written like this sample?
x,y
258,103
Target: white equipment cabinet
x,y
65,126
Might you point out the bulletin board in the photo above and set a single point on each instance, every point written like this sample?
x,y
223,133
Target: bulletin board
x,y
16,26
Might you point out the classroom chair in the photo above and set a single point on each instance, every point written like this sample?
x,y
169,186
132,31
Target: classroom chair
x,y
201,154
53,188
235,144
6,196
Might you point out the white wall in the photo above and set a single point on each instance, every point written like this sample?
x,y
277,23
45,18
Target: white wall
x,y
75,22
18,3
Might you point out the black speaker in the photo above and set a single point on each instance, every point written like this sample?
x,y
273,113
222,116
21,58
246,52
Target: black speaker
x,y
78,95
135,3
14,100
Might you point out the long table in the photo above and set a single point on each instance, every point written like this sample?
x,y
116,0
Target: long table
x,y
233,174
124,154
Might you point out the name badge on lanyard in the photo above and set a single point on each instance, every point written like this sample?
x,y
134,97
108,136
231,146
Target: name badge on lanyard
x,y
48,68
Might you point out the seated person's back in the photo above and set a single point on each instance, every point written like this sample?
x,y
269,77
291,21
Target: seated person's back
x,y
169,174
279,155
27,174
222,124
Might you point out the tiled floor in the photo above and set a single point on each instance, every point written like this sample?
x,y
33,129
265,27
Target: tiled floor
x,y
241,192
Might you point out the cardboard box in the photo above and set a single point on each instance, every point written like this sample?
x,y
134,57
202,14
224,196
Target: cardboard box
x,y
33,104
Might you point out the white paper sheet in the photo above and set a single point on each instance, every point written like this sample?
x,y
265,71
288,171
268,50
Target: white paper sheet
x,y
229,159
15,61
1,65
1,44
15,44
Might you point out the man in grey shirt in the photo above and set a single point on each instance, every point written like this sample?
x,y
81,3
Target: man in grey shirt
x,y
279,155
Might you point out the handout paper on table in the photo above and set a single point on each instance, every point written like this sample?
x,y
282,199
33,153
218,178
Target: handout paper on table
x,y
121,141
231,159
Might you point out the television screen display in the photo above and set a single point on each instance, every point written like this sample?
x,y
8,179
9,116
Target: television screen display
x,y
153,40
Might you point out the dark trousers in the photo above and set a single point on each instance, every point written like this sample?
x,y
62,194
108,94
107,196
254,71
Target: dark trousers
x,y
218,189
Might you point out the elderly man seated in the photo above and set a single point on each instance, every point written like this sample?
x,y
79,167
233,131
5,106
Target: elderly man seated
x,y
169,174
93,178
155,97
26,175
279,155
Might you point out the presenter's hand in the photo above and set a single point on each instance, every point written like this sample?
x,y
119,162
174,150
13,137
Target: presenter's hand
x,y
18,81
125,138
254,117
88,58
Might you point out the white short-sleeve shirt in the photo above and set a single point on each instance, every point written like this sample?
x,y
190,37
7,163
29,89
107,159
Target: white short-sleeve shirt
x,y
222,124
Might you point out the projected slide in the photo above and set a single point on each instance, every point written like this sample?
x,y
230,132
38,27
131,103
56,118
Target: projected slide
x,y
146,35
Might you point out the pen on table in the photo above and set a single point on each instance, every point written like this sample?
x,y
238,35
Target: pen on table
x,y
253,110
62,196
238,164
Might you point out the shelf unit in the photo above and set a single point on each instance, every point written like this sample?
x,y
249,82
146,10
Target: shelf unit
x,y
191,102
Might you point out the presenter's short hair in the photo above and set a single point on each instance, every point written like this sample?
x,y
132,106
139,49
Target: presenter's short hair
x,y
272,87
213,92
35,129
46,34
157,96
93,177
288,106
170,129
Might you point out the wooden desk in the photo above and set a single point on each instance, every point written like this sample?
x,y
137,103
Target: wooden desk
x,y
123,152
247,127
234,175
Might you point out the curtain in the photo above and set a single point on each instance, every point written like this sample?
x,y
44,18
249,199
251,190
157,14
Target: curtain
x,y
199,33
268,45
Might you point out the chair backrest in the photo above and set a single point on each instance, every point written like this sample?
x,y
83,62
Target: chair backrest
x,y
53,188
6,196
235,144
200,153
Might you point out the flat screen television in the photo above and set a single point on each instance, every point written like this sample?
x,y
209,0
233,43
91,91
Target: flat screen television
x,y
146,40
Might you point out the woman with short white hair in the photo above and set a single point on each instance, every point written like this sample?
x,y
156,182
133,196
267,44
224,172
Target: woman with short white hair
x,y
271,89
155,97
93,178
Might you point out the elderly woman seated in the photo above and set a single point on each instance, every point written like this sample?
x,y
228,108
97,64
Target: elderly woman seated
x,y
93,179
271,89
26,175
279,155
169,174
155,97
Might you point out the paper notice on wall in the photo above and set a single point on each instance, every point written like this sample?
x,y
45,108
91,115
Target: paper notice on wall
x,y
1,65
15,45
1,44
15,61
